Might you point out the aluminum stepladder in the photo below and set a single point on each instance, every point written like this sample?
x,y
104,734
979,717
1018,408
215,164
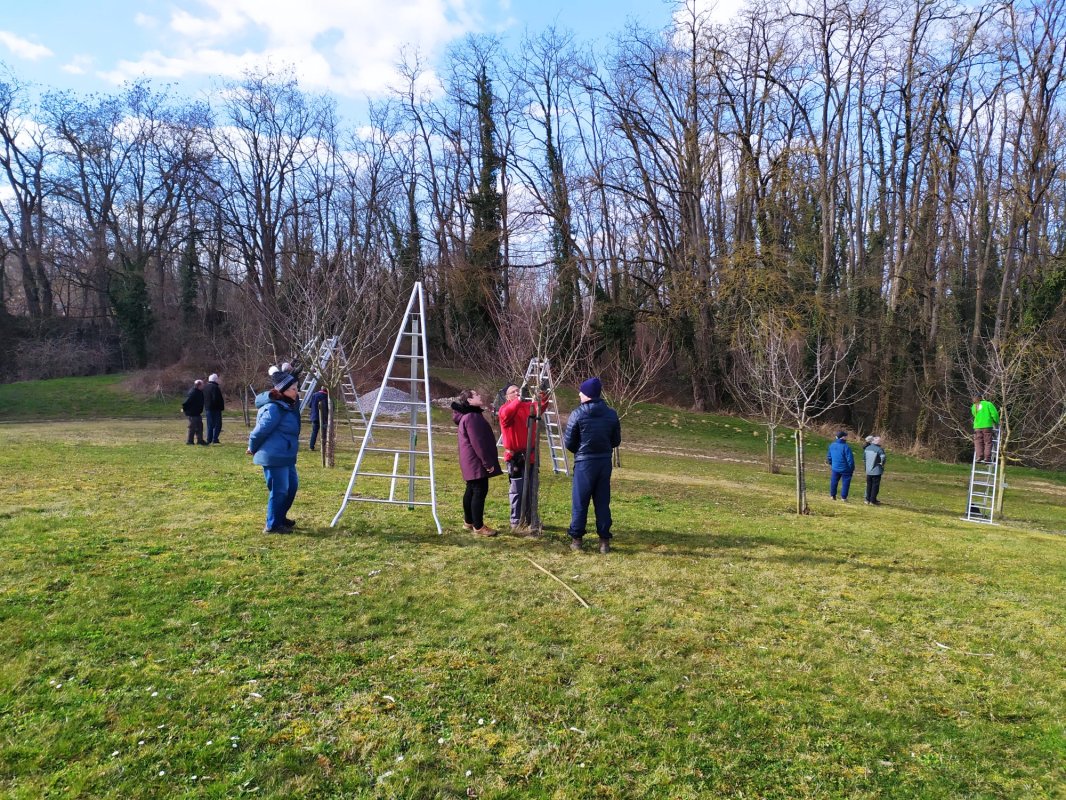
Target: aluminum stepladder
x,y
412,339
538,377
984,480
331,350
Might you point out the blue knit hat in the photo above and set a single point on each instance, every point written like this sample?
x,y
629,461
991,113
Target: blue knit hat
x,y
592,388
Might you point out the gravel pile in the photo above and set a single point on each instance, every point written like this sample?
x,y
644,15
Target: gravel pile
x,y
396,406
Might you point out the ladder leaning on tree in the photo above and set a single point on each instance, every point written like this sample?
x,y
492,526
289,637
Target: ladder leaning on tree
x,y
984,481
321,356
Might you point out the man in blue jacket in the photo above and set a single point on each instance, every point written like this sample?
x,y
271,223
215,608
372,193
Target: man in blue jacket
x,y
842,466
592,433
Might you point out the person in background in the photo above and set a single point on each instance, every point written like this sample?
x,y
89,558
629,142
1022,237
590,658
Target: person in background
x,y
985,419
592,432
274,444
319,413
214,405
520,453
193,408
874,458
478,458
841,462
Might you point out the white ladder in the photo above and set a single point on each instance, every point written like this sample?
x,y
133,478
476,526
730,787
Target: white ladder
x,y
539,378
984,480
331,349
417,467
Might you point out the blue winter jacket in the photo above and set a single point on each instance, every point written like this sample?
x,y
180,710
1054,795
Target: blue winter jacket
x,y
319,405
275,439
840,457
592,431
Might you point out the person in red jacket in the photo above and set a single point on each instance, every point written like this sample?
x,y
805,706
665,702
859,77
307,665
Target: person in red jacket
x,y
478,458
518,423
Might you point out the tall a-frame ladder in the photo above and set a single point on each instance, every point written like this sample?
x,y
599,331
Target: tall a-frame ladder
x,y
322,354
399,457
539,377
984,481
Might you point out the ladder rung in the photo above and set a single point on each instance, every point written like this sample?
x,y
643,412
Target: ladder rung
x,y
395,425
389,502
395,475
396,452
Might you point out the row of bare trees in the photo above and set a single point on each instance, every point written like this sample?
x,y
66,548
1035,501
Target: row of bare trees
x,y
875,188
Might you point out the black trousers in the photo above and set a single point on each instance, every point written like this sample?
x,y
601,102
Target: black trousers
x,y
873,486
474,502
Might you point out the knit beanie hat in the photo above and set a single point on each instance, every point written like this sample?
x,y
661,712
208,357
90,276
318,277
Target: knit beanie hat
x,y
283,380
592,388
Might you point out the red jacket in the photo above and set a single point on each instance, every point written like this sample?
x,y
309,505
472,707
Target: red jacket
x,y
514,423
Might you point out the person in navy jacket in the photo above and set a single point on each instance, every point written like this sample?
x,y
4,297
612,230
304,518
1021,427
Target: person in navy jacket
x,y
274,442
319,413
841,463
592,432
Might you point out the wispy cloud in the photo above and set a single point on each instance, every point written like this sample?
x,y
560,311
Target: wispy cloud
x,y
78,65
350,47
24,48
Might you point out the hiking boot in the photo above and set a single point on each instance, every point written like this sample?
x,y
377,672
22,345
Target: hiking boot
x,y
605,546
576,544
485,530
288,523
468,526
277,529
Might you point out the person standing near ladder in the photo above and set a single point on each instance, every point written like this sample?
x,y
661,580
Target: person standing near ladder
x,y
985,419
518,424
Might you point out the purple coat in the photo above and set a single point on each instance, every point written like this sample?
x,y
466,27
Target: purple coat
x,y
477,446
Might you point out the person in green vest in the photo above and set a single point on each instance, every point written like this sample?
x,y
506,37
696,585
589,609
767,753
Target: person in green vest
x,y
985,419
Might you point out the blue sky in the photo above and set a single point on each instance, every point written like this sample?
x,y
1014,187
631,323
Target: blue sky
x,y
347,48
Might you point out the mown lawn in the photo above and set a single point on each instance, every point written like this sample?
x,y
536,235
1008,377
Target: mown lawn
x,y
154,643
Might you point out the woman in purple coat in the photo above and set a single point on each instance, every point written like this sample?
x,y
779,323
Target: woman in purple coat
x,y
478,458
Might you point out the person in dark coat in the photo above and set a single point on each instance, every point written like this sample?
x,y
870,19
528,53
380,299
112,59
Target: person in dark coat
x,y
841,463
592,432
275,442
193,408
478,458
214,405
319,413
874,458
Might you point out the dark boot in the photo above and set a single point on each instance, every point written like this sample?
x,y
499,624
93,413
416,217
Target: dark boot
x,y
605,546
576,544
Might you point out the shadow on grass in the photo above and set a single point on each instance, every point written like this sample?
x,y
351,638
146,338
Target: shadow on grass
x,y
646,542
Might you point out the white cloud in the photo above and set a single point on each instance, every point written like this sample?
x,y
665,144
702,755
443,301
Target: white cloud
x,y
78,65
24,48
350,47
145,20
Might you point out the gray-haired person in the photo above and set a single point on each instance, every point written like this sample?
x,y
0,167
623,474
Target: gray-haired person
x,y
193,409
874,456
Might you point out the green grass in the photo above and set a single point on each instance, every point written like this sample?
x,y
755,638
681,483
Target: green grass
x,y
733,649
80,398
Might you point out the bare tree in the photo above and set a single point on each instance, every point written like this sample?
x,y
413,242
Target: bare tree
x,y
801,375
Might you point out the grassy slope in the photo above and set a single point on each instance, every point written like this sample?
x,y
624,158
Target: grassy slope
x,y
732,648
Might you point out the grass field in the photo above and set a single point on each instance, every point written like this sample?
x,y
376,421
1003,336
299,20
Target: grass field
x,y
154,643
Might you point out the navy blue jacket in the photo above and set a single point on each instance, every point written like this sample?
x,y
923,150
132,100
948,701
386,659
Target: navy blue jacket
x,y
840,457
592,431
275,439
319,398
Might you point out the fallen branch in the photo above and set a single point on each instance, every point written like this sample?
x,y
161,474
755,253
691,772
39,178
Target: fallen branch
x,y
962,652
560,580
